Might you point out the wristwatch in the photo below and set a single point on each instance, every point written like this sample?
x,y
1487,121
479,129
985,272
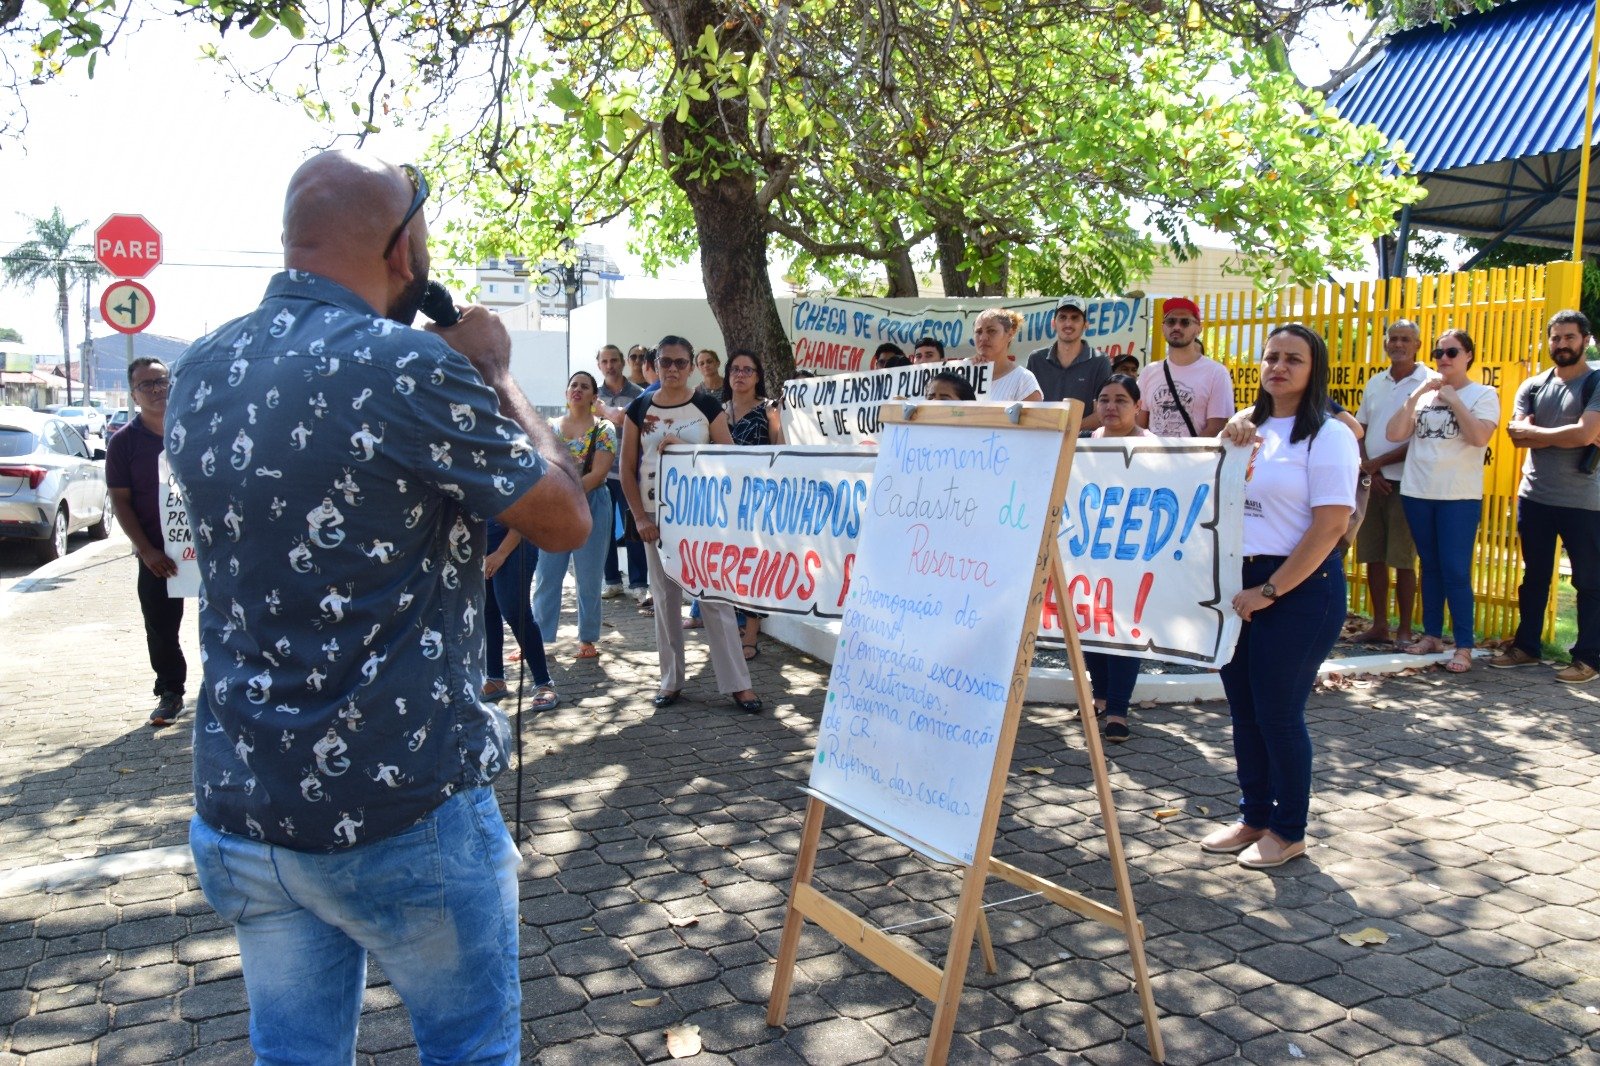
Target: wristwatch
x,y
1270,591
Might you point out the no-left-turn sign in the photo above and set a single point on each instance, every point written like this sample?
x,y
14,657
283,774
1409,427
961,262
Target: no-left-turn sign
x,y
127,306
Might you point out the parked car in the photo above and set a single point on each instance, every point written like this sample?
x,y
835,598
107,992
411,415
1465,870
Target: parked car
x,y
49,487
118,419
88,421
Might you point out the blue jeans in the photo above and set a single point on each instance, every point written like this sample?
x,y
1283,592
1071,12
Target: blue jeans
x,y
588,561
1444,532
1112,677
508,597
1268,682
638,565
436,905
1538,526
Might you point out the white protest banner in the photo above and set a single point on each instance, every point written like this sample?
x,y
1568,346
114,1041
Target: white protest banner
x,y
928,640
178,540
773,528
1151,540
837,335
1152,535
843,408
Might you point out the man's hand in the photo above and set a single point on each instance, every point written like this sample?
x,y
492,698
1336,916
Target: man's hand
x,y
482,338
156,561
1381,486
1523,433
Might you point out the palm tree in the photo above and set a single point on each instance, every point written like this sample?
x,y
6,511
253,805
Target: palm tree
x,y
52,256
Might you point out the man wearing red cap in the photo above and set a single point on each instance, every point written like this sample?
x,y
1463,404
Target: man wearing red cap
x,y
1187,394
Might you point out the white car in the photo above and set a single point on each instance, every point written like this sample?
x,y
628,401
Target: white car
x,y
49,487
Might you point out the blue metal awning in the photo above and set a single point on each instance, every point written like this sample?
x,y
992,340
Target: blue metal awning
x,y
1492,112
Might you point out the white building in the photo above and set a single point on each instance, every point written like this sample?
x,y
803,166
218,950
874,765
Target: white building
x,y
512,281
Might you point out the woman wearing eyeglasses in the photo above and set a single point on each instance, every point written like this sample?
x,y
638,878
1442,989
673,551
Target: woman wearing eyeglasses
x,y
675,414
1449,420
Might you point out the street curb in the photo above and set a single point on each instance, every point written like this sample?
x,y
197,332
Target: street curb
x,y
818,638
86,556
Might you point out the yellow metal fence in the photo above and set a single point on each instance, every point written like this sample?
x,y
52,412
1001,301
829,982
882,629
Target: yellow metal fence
x,y
1505,313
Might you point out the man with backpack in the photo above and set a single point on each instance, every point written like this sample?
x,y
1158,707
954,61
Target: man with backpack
x,y
1557,418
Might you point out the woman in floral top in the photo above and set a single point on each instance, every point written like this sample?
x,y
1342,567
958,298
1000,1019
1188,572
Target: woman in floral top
x,y
593,444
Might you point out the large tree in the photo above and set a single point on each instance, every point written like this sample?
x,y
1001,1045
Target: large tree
x,y
53,256
843,136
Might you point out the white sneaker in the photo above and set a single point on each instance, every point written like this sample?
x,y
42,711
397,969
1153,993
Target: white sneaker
x,y
640,594
610,592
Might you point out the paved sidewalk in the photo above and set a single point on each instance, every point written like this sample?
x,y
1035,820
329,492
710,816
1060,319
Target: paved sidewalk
x,y
1460,816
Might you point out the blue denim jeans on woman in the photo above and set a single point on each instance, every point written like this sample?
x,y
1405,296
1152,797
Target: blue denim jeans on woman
x,y
508,597
436,905
1112,677
1268,682
1444,532
588,563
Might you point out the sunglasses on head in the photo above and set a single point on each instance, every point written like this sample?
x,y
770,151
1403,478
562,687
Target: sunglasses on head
x,y
419,196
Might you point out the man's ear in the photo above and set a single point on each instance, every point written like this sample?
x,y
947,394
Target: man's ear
x,y
399,261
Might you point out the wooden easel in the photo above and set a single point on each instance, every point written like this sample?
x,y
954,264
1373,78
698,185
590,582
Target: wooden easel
x,y
944,986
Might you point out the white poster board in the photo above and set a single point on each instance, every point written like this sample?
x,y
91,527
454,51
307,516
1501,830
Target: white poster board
x,y
843,408
773,528
1151,535
928,639
177,537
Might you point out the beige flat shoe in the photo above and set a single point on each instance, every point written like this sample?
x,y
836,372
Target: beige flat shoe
x,y
1231,839
1270,851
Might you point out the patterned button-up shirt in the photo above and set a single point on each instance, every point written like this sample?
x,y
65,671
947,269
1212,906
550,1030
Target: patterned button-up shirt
x,y
338,467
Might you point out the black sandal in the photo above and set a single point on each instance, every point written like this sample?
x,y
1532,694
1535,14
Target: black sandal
x,y
752,649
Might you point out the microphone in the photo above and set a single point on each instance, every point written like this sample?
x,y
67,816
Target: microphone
x,y
438,305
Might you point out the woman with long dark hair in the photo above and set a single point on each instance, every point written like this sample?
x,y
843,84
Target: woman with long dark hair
x,y
1298,498
674,414
752,421
1113,677
1449,420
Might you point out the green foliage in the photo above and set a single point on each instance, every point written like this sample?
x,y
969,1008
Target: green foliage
x,y
9,336
52,256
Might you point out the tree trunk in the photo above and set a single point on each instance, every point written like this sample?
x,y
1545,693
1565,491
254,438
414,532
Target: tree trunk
x,y
997,287
952,249
733,265
902,275
729,218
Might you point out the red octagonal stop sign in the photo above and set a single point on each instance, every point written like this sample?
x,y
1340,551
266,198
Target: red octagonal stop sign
x,y
127,246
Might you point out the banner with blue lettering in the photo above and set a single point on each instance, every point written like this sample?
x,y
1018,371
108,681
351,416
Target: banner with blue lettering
x,y
843,408
1151,538
837,335
772,528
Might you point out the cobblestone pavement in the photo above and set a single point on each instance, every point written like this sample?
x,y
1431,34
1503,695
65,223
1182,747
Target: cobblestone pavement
x,y
1460,816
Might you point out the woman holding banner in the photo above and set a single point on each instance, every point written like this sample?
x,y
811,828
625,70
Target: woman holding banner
x,y
752,422
1299,495
1114,676
673,414
1449,420
993,333
592,443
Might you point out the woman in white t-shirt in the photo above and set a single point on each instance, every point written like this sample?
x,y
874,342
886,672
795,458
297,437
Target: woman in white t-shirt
x,y
1448,420
992,335
674,414
1298,497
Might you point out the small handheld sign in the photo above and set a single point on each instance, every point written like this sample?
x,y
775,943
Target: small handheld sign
x,y
925,698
